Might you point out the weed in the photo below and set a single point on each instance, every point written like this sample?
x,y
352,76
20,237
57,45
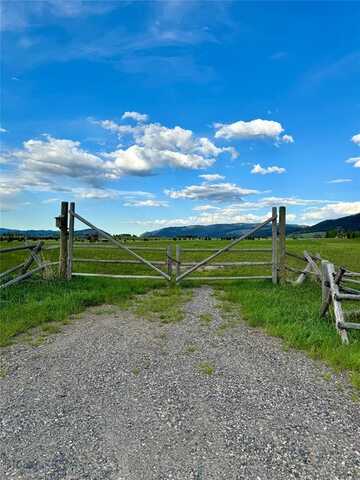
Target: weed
x,y
327,376
191,348
136,371
206,368
206,318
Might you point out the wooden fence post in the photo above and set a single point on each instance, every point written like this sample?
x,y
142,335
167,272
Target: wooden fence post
x,y
70,240
274,247
62,224
178,255
169,260
282,243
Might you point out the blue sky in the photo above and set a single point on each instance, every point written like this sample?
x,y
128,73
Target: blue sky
x,y
150,114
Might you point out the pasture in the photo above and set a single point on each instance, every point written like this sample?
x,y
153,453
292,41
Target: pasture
x,y
289,312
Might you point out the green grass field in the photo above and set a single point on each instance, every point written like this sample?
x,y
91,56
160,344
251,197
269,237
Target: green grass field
x,y
285,311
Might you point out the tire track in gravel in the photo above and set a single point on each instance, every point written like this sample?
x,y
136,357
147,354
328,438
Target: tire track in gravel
x,y
120,398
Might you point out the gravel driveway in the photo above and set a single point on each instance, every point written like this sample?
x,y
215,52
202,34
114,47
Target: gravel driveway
x,y
117,397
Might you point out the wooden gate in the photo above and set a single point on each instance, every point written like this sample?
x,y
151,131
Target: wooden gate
x,y
66,221
66,224
277,261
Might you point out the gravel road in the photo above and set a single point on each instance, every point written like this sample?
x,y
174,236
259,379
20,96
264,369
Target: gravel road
x,y
117,397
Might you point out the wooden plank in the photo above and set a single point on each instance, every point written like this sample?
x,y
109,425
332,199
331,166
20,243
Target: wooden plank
x,y
107,275
11,270
351,280
325,282
351,274
63,226
282,244
70,240
222,250
350,325
169,260
121,262
303,274
112,247
275,266
312,263
338,311
246,250
178,259
120,245
19,247
30,260
253,277
27,274
347,296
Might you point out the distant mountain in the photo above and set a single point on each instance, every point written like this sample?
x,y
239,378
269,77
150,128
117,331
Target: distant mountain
x,y
347,224
43,233
222,230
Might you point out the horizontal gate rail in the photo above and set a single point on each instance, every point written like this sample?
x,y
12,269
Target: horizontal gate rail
x,y
109,275
248,277
222,250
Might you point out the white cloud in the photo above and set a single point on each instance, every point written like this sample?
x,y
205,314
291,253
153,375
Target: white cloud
x,y
212,177
154,145
138,117
3,130
59,157
146,203
287,139
340,180
356,139
219,192
266,171
222,216
333,210
355,161
205,208
249,130
50,200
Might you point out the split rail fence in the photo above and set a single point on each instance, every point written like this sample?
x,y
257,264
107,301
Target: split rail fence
x,y
23,270
335,289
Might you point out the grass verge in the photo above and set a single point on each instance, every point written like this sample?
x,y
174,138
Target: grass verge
x,y
293,314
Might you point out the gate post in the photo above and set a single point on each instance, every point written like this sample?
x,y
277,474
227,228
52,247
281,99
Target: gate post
x,y
62,224
178,254
282,243
169,260
70,241
274,247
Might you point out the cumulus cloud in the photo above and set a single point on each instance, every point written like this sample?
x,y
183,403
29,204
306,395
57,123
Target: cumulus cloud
x,y
258,169
333,210
205,208
3,130
146,203
59,157
287,139
153,145
355,161
340,180
253,129
356,139
212,177
218,192
138,117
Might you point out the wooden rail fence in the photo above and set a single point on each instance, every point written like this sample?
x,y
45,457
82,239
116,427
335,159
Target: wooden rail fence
x,y
22,271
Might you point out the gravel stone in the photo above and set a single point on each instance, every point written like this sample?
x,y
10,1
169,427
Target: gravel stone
x,y
116,397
